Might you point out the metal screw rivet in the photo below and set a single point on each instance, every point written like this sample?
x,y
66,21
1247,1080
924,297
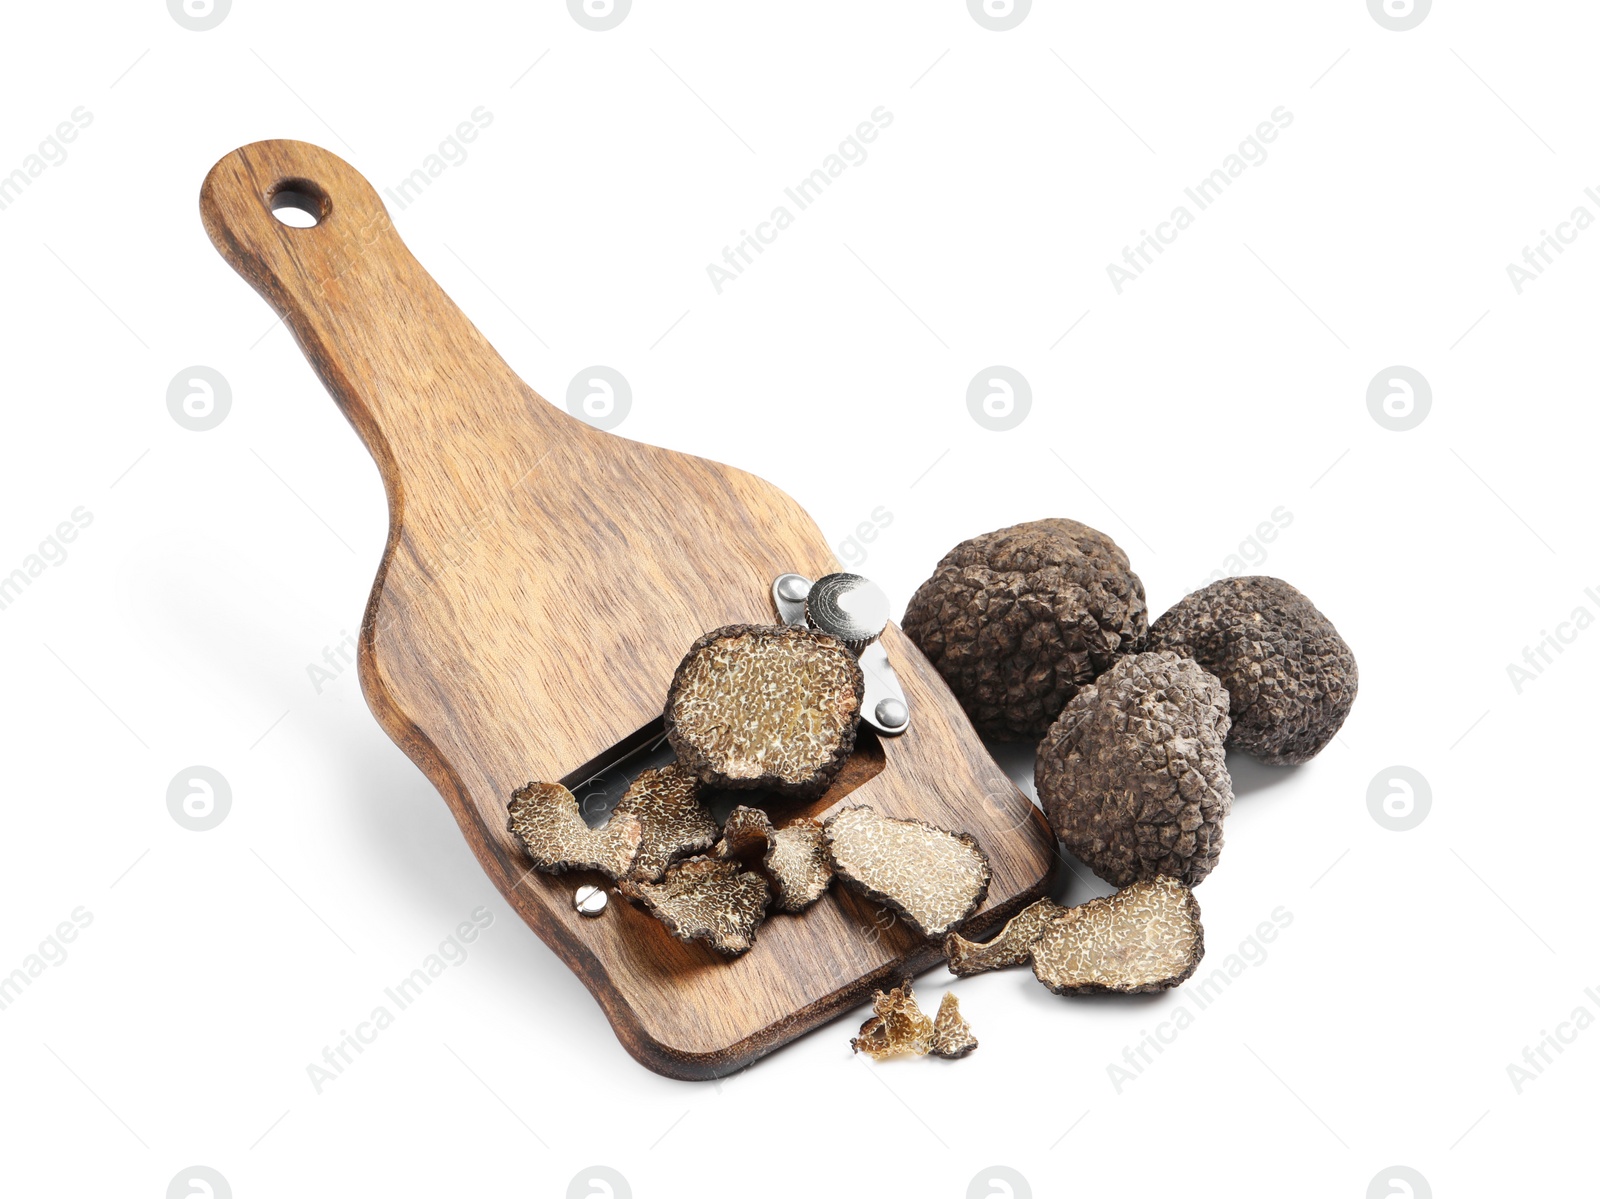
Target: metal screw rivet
x,y
589,899
891,713
794,588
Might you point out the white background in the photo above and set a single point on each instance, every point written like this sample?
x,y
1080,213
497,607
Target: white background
x,y
1228,381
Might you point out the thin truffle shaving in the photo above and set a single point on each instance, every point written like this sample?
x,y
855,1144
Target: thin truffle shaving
x,y
765,706
797,861
1146,937
675,822
795,857
744,831
703,899
933,878
544,817
1011,946
952,1035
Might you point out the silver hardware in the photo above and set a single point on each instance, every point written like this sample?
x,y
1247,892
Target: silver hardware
x,y
589,900
789,597
884,697
793,587
883,690
891,713
853,609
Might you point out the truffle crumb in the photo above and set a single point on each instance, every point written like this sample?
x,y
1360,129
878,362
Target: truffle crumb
x,y
933,878
1291,678
897,1025
952,1035
1019,619
1133,776
773,707
1009,947
675,822
703,899
1146,937
544,817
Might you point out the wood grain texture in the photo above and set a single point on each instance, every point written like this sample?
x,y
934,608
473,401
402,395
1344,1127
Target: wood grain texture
x,y
541,581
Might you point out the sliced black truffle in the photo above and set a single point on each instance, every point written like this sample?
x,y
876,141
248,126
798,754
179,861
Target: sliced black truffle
x,y
1291,678
773,707
1146,937
1009,947
544,817
952,1035
934,879
1133,776
794,857
797,862
1019,619
666,802
745,831
704,899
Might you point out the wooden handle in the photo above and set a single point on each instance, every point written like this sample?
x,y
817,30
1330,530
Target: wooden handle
x,y
387,342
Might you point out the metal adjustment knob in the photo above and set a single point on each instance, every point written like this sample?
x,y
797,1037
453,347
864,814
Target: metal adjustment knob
x,y
853,609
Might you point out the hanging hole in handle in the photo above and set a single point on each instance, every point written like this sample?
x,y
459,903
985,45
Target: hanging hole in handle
x,y
299,203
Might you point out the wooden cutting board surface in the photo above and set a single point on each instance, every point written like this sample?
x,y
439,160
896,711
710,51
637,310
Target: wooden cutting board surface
x,y
542,580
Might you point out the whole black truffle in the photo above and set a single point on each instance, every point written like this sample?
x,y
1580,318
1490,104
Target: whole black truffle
x,y
1291,678
1133,776
1019,619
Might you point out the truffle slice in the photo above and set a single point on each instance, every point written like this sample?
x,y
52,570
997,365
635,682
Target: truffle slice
x,y
1019,619
675,822
702,899
744,831
1009,947
795,857
1291,678
1133,776
1146,937
773,707
545,818
952,1035
932,878
797,860
897,1025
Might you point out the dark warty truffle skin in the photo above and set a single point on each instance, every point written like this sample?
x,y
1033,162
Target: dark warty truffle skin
x,y
1133,776
1291,678
1017,620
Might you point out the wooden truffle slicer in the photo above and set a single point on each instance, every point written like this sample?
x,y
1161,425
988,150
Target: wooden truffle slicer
x,y
541,581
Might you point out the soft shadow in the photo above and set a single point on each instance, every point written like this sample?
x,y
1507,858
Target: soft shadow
x,y
412,831
1016,759
1251,777
1075,883
1041,997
